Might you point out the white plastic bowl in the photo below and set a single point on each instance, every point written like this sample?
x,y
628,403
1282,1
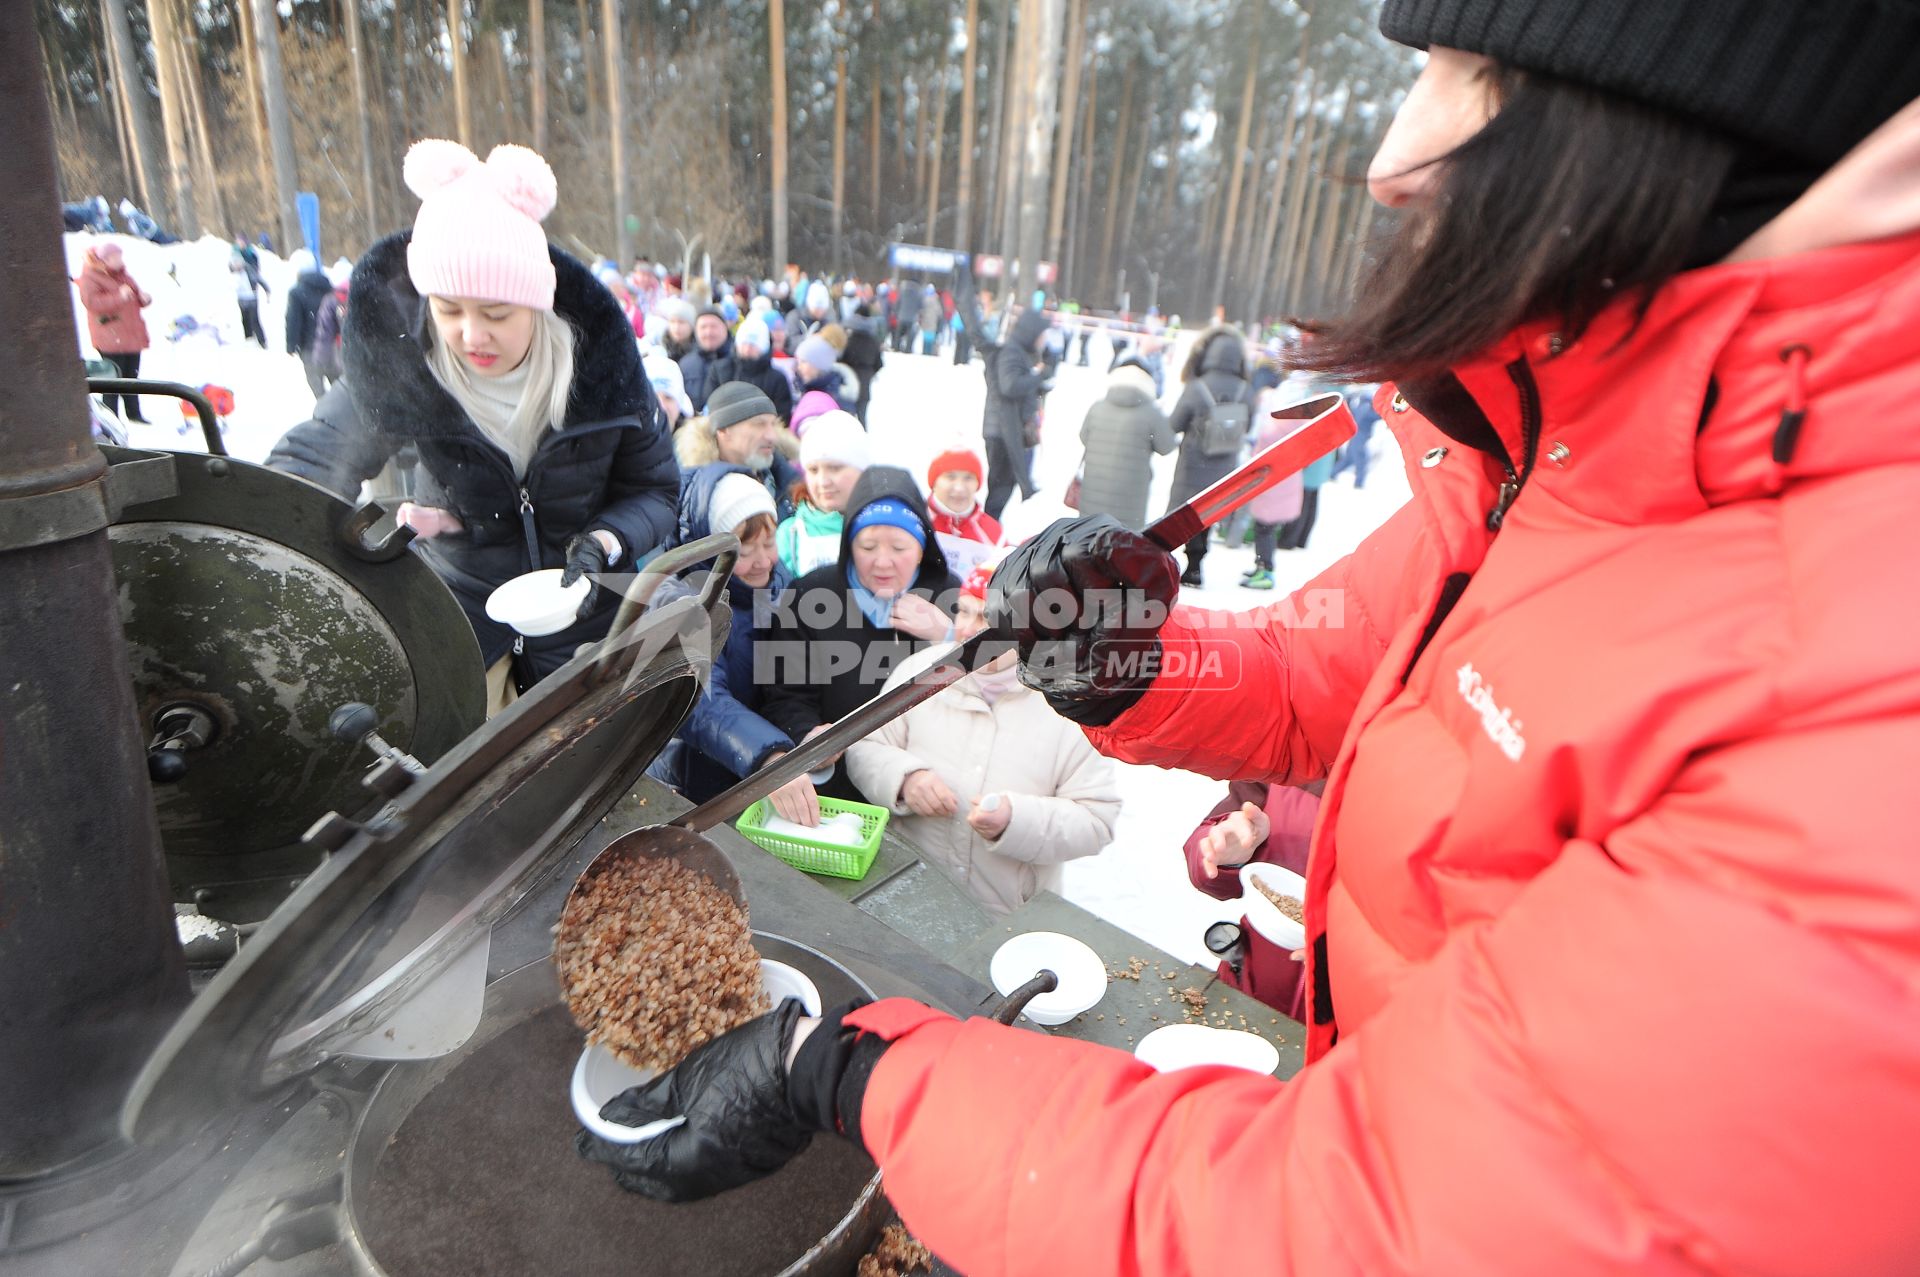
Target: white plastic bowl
x,y
1185,1046
598,1075
536,604
1083,977
1263,913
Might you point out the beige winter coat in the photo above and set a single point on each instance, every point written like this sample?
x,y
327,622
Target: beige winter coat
x,y
1063,796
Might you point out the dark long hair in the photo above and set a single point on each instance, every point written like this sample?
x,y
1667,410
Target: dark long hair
x,y
1569,198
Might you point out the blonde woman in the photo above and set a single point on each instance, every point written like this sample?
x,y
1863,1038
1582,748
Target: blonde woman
x,y
513,372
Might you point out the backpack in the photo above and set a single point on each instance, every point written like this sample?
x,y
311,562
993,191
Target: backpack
x,y
1224,430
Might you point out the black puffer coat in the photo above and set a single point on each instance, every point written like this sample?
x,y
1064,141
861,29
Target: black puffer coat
x,y
611,465
758,371
1013,388
303,308
1219,359
823,657
697,369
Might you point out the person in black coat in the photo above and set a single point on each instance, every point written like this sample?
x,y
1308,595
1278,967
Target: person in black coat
x,y
1014,384
303,309
864,355
712,346
1215,374
587,485
752,362
845,627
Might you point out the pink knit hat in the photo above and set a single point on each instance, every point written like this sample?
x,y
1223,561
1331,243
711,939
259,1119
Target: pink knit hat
x,y
478,230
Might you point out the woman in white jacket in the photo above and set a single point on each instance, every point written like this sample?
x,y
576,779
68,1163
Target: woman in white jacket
x,y
990,784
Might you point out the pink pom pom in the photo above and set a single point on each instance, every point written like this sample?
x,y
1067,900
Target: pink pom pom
x,y
433,163
523,179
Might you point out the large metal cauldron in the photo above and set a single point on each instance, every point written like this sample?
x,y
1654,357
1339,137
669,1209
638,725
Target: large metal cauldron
x,y
465,1165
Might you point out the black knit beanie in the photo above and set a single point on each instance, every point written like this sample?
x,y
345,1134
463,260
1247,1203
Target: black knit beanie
x,y
1808,78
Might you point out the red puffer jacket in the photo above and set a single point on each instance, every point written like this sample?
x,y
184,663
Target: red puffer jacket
x,y
1615,901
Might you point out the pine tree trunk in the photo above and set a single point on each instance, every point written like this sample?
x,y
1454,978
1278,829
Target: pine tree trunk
x,y
934,160
1013,146
166,72
617,130
536,72
187,48
1117,159
1331,220
1075,267
1042,119
110,100
919,138
1132,190
1299,179
457,54
877,70
969,135
371,209
1247,243
256,111
996,131
1230,224
1276,202
777,55
839,160
1067,117
1302,254
592,71
273,88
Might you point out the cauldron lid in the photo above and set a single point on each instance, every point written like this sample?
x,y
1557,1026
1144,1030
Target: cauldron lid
x,y
404,897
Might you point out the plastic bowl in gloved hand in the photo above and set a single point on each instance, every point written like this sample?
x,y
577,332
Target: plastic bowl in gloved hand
x,y
536,604
599,1075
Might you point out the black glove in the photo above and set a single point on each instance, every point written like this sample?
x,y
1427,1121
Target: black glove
x,y
746,1117
1085,601
585,557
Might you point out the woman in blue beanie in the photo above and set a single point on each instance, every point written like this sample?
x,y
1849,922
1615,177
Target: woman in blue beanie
x,y
846,626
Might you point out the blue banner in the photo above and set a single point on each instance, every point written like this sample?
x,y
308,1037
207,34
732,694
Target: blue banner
x,y
922,257
307,205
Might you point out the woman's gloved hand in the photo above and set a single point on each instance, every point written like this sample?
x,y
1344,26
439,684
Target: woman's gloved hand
x,y
588,556
1085,601
748,1112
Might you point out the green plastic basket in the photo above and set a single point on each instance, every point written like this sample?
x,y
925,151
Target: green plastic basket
x,y
836,860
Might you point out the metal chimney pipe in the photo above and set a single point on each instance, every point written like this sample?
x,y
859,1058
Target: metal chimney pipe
x,y
90,966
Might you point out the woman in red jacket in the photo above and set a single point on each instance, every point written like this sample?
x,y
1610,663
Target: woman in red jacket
x,y
114,326
1613,910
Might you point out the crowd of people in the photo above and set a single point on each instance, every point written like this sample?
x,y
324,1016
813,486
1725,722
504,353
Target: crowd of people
x,y
575,415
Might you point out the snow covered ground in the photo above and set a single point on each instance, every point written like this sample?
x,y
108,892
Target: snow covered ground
x,y
922,405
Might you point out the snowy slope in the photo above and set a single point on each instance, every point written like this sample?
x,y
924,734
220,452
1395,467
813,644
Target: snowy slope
x,y
922,405
269,390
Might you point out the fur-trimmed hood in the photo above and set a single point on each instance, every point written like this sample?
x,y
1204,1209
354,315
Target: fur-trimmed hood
x,y
1220,348
695,445
396,393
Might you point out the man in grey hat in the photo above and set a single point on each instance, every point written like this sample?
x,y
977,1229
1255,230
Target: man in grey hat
x,y
742,429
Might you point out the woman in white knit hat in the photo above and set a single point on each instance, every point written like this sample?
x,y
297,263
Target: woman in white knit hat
x,y
513,372
833,453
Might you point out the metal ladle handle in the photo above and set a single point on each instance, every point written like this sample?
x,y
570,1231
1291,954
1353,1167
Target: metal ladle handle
x,y
1044,981
722,547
